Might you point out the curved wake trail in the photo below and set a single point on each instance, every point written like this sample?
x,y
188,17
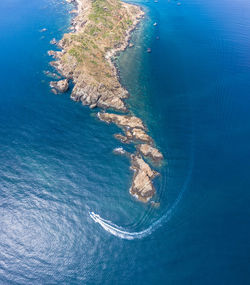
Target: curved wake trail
x,y
124,234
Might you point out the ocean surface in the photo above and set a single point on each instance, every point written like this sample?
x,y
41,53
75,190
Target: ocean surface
x,y
57,164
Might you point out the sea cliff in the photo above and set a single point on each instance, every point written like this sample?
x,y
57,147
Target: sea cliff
x,y
100,29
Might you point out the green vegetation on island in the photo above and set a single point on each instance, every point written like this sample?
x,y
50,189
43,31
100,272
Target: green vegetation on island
x,y
106,26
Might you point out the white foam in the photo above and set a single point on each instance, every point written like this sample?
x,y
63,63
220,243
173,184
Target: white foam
x,y
119,150
125,234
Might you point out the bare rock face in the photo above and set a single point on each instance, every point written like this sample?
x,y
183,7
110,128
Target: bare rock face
x,y
122,120
97,96
61,85
52,74
54,54
137,134
122,138
54,91
113,102
142,187
132,126
150,151
86,94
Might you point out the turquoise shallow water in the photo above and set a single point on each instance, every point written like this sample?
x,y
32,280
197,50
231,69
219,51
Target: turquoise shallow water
x,y
57,163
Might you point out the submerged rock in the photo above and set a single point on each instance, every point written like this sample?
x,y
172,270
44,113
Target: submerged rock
x,y
155,204
74,11
53,41
119,150
43,30
52,74
53,90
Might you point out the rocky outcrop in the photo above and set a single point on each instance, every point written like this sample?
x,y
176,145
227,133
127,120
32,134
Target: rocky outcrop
x,y
142,187
122,138
99,31
86,55
133,127
54,54
150,152
138,135
122,120
96,96
134,131
61,86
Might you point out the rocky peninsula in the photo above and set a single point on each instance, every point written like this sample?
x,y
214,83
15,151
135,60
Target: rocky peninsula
x,y
100,29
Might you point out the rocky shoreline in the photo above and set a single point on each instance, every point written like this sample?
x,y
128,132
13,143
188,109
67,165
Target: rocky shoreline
x,y
99,31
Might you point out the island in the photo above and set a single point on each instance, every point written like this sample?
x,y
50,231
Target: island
x,y
101,29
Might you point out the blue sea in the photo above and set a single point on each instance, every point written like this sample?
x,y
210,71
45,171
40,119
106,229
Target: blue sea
x,y
57,164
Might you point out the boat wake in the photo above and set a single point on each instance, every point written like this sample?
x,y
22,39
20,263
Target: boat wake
x,y
125,234
130,235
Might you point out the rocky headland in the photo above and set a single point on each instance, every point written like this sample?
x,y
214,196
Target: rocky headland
x,y
101,29
142,187
150,152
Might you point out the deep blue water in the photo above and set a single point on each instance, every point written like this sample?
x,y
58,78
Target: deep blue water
x,y
57,165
